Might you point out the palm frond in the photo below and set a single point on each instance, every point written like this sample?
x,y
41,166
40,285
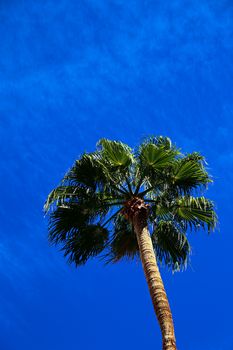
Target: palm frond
x,y
124,242
88,242
155,157
88,171
195,157
190,212
171,245
161,211
160,141
65,221
189,174
195,212
116,153
63,193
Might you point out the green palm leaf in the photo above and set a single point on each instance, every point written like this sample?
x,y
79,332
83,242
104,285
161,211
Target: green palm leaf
x,y
65,221
154,157
89,171
61,194
124,242
171,245
88,242
188,174
195,212
190,212
117,154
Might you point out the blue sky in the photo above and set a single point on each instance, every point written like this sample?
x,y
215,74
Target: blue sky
x,y
72,72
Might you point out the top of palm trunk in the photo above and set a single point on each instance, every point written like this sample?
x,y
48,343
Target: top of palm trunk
x,y
133,206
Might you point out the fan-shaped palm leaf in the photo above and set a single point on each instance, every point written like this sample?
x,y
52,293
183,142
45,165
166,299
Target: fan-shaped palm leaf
x,y
155,156
88,171
61,194
195,212
189,174
117,154
171,245
191,212
65,221
87,242
124,241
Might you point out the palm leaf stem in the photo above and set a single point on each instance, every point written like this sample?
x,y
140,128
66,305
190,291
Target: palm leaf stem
x,y
141,194
123,188
116,203
113,216
119,190
108,243
129,185
112,198
138,186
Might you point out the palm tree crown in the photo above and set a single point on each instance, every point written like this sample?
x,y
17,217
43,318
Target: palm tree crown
x,y
90,211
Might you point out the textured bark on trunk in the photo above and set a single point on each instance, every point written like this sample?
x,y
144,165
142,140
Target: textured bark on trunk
x,y
154,280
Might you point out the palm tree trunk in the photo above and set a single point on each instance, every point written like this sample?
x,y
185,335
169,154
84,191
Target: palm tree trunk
x,y
154,280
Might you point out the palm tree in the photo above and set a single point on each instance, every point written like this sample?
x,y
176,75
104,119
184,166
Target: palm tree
x,y
127,203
